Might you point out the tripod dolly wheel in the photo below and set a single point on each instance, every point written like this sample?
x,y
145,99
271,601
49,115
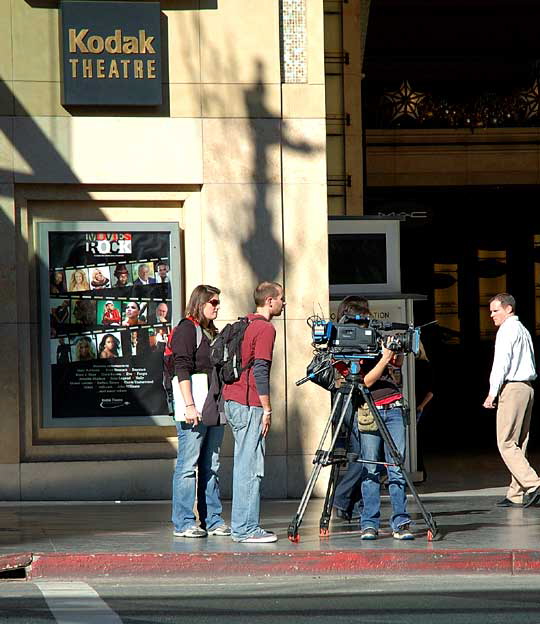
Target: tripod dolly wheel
x,y
433,533
292,532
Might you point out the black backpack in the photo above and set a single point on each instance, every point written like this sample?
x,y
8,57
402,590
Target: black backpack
x,y
226,351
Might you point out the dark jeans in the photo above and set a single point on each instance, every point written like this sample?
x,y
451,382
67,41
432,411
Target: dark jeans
x,y
348,494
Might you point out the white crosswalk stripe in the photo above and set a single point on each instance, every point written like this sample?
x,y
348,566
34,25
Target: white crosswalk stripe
x,y
76,603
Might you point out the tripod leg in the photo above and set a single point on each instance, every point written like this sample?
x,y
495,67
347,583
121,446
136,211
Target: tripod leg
x,y
294,526
324,522
339,424
346,418
320,460
433,532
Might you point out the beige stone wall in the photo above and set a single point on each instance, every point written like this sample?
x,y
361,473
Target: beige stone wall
x,y
239,157
9,375
263,209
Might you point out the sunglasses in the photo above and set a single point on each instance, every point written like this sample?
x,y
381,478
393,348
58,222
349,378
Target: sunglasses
x,y
214,302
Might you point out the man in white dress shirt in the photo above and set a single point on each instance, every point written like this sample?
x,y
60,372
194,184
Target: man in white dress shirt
x,y
510,387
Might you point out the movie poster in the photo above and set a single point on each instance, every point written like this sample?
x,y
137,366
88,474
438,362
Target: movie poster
x,y
109,307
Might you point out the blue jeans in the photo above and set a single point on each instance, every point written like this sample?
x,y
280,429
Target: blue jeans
x,y
371,490
198,447
248,469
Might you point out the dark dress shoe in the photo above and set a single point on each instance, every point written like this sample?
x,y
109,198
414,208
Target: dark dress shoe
x,y
342,514
532,498
508,503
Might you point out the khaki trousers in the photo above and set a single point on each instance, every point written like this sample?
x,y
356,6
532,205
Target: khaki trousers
x,y
513,423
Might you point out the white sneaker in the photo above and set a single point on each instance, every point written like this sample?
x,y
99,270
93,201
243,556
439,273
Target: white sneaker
x,y
193,531
260,537
403,533
222,530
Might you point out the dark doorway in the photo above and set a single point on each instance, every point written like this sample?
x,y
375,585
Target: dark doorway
x,y
471,243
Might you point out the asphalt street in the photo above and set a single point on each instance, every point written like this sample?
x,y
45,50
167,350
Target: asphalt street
x,y
369,600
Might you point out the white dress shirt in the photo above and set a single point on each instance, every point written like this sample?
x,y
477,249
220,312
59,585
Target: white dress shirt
x,y
514,355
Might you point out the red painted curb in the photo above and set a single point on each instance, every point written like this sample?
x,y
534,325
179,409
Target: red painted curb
x,y
526,562
208,565
15,561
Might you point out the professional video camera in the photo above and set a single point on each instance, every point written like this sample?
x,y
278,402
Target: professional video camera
x,y
362,336
353,338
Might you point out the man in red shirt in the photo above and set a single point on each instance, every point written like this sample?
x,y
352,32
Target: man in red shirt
x,y
249,413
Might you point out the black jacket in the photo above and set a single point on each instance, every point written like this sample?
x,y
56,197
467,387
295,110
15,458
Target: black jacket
x,y
188,359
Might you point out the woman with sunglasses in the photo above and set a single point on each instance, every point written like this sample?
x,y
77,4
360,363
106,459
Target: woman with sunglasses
x,y
199,434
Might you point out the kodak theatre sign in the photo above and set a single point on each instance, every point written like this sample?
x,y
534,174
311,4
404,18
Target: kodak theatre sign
x,y
111,53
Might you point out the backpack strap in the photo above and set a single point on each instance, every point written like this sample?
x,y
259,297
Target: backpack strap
x,y
252,360
198,334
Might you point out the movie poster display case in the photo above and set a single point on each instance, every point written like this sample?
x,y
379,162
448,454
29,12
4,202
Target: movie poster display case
x,y
109,295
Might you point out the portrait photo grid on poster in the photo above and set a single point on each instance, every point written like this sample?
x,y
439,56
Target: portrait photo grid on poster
x,y
109,322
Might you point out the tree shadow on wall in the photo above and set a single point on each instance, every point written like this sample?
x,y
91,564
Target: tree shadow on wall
x,y
248,148
37,151
257,226
261,248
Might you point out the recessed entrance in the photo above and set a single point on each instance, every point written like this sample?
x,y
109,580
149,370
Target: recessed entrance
x,y
459,247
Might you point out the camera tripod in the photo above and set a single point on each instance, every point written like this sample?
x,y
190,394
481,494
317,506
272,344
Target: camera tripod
x,y
348,397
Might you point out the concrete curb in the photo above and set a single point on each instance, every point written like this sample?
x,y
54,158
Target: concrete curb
x,y
71,566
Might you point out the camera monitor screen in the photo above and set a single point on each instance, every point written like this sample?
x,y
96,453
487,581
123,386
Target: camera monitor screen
x,y
357,258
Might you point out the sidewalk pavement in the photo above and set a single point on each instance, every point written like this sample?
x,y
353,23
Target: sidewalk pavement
x,y
78,540
81,540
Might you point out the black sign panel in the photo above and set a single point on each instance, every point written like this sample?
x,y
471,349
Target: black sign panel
x,y
111,53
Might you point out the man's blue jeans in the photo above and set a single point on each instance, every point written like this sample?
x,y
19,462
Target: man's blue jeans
x,y
248,469
371,490
198,447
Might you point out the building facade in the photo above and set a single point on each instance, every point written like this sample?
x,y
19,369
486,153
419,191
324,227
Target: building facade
x,y
451,118
229,165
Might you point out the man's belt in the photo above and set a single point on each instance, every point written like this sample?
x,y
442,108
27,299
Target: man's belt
x,y
390,406
509,381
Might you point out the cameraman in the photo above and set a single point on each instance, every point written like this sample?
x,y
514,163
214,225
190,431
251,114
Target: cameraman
x,y
382,377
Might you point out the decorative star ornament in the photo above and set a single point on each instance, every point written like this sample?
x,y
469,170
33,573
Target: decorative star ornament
x,y
405,102
530,100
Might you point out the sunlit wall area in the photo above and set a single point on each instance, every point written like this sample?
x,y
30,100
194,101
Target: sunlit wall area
x,y
219,173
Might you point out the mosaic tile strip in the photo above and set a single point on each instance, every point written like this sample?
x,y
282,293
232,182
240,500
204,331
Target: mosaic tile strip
x,y
293,27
